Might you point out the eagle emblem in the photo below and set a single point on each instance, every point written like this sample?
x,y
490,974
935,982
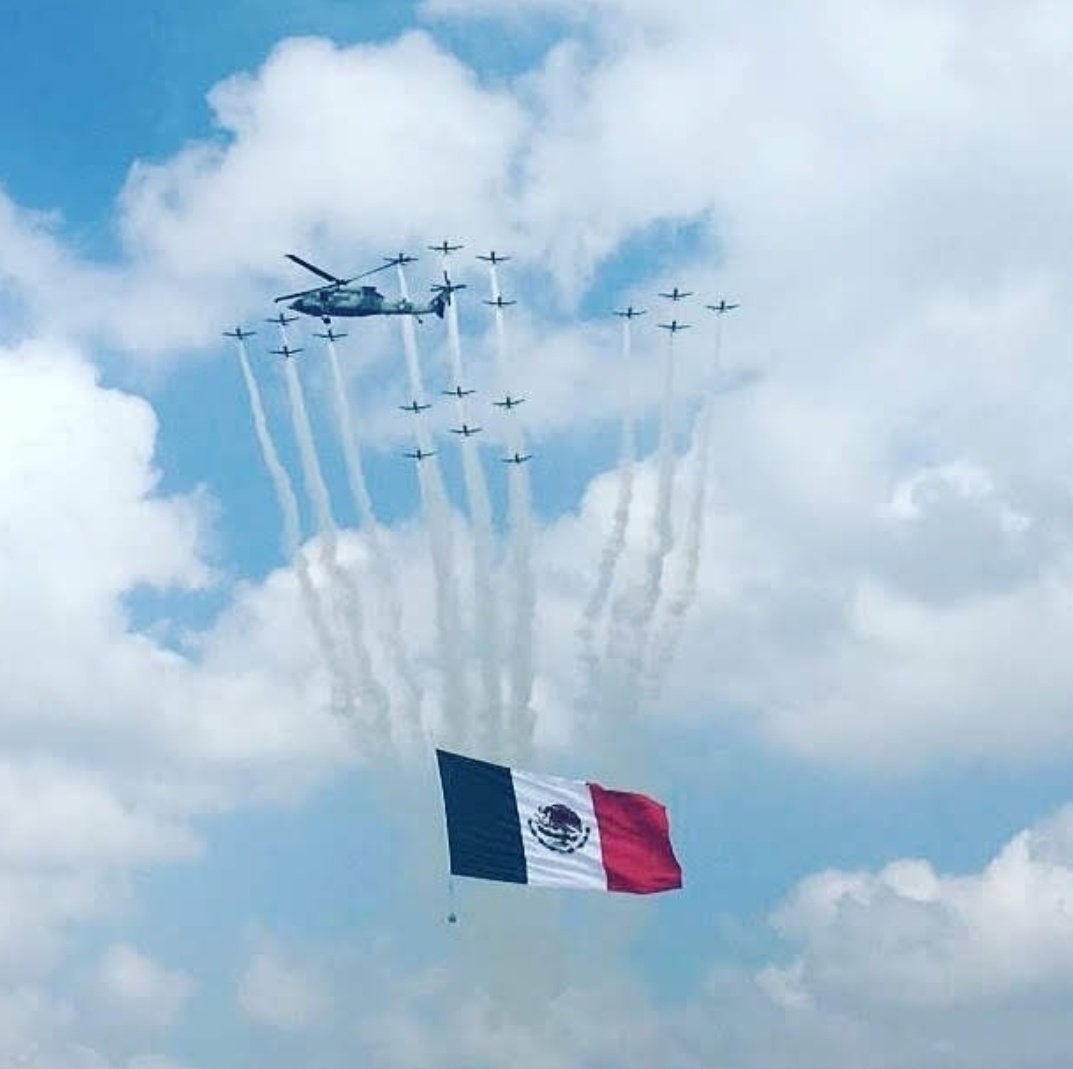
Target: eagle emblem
x,y
557,827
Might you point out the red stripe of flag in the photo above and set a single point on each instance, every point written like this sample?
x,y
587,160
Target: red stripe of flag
x,y
635,840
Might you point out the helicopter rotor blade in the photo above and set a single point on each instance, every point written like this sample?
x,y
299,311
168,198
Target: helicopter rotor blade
x,y
366,274
300,293
332,281
320,272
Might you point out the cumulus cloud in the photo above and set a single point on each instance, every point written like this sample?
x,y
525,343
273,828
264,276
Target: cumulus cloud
x,y
281,993
134,984
911,936
112,740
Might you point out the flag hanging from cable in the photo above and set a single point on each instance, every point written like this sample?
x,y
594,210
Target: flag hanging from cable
x,y
520,827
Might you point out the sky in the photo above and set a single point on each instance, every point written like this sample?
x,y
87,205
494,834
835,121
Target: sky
x,y
804,572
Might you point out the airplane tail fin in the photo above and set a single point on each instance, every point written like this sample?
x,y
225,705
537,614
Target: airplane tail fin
x,y
439,303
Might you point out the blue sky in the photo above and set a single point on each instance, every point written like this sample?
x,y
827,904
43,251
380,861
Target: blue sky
x,y
862,734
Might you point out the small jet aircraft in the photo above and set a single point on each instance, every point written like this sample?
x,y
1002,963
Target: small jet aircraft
x,y
509,402
518,458
676,294
674,326
282,320
329,335
493,258
286,352
444,249
400,259
414,407
500,303
465,430
447,287
419,454
337,297
629,312
722,307
458,392
239,334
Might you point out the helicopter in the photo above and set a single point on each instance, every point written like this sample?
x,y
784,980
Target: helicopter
x,y
337,297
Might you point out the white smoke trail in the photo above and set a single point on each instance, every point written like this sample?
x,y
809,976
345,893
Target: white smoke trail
x,y
666,639
292,542
616,538
521,660
441,544
382,567
522,716
486,612
633,610
372,693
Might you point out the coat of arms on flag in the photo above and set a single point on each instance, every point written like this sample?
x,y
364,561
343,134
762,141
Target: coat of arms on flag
x,y
520,827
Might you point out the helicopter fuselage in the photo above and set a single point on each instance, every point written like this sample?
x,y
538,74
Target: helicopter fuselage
x,y
355,301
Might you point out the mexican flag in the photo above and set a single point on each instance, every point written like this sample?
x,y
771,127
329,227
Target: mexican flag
x,y
520,827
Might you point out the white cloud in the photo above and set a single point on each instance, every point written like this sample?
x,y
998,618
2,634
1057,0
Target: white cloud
x,y
937,969
52,814
911,936
281,993
141,988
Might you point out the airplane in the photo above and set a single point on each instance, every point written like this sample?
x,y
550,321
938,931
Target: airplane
x,y
676,294
509,402
400,259
500,303
465,430
446,287
518,458
444,249
419,454
238,333
286,352
329,335
457,392
493,258
337,297
722,307
630,312
674,326
281,320
414,407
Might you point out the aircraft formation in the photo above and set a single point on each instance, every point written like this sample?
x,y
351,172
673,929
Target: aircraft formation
x,y
340,297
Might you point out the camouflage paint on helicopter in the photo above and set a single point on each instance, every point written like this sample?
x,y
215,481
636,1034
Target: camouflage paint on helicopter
x,y
339,298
